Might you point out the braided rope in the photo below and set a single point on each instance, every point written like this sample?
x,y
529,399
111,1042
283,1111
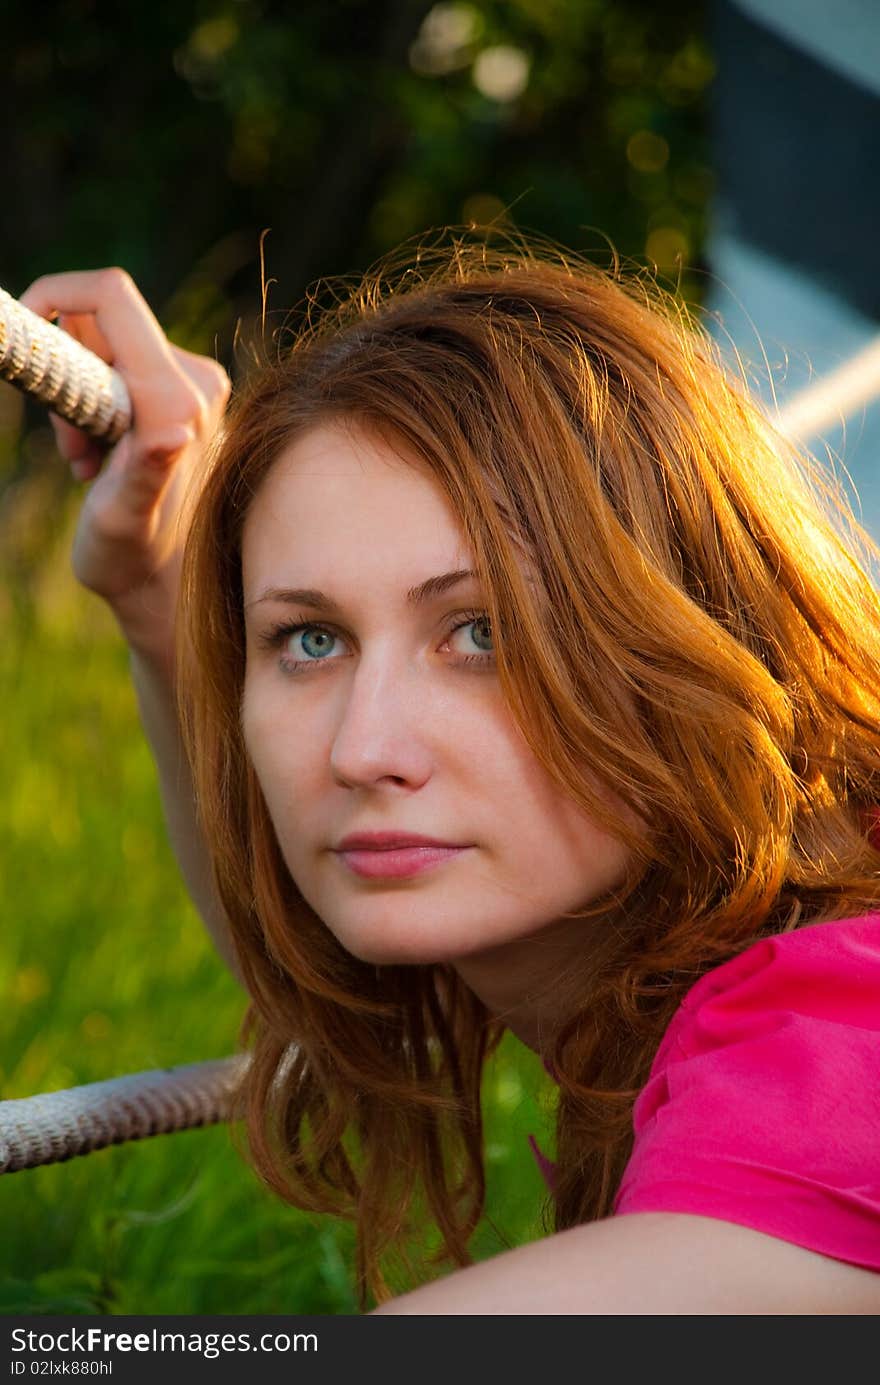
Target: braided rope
x,y
56,369
56,1126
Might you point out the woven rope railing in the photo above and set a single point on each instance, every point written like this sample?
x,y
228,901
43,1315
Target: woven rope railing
x,y
48,364
56,1126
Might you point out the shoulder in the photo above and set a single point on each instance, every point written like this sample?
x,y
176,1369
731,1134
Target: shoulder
x,y
825,968
763,1102
824,974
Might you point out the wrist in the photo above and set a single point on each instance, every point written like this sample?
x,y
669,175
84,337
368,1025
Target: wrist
x,y
151,647
145,617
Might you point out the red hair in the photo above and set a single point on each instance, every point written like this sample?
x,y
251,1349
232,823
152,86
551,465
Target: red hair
x,y
717,668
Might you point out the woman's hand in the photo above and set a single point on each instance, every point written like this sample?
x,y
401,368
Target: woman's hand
x,y
132,527
133,523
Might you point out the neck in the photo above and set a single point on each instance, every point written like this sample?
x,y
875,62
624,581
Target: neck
x,y
518,982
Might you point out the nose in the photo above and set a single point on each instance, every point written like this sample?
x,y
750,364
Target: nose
x,y
384,726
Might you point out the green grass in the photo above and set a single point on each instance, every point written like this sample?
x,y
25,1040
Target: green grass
x,y
106,969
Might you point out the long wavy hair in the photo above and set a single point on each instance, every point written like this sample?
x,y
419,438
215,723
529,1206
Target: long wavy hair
x,y
715,665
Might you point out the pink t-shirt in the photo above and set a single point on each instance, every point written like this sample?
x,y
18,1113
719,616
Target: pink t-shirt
x,y
763,1102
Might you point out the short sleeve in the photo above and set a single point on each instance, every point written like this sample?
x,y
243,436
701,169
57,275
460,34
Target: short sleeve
x,y
763,1103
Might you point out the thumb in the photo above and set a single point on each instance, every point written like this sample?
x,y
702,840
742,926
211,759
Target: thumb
x,y
148,470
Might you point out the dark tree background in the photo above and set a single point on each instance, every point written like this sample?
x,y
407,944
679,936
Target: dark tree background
x,y
167,138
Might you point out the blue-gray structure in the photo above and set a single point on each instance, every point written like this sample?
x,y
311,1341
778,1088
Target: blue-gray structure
x,y
792,251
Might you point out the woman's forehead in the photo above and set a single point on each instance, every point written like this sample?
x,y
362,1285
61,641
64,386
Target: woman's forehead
x,y
342,505
352,470
338,510
349,446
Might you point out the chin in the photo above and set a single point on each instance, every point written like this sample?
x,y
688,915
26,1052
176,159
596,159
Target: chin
x,y
381,946
404,930
381,952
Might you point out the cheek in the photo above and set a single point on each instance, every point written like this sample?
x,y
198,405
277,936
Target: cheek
x,y
561,851
566,847
604,859
256,729
276,759
276,754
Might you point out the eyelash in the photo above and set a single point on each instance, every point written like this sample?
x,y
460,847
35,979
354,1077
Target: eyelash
x,y
276,637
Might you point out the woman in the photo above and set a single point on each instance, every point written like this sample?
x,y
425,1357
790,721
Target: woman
x,y
496,557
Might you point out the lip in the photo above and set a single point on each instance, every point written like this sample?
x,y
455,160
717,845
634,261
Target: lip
x,y
397,863
388,841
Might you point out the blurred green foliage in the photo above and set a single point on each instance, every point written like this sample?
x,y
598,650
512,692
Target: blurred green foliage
x,y
166,139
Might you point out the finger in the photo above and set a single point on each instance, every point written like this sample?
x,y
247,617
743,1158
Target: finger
x,y
84,453
206,374
142,482
83,327
85,468
135,340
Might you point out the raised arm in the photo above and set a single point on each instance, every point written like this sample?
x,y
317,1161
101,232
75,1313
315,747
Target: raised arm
x,y
132,527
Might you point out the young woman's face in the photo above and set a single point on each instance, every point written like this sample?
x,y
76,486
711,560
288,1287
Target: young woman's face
x,y
385,715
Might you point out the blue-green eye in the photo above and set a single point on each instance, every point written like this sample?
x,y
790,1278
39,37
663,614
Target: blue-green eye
x,y
482,633
317,642
318,638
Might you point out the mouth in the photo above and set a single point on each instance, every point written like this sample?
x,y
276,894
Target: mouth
x,y
391,863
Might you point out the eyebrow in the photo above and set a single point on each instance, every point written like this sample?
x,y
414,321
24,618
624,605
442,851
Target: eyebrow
x,y
319,601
